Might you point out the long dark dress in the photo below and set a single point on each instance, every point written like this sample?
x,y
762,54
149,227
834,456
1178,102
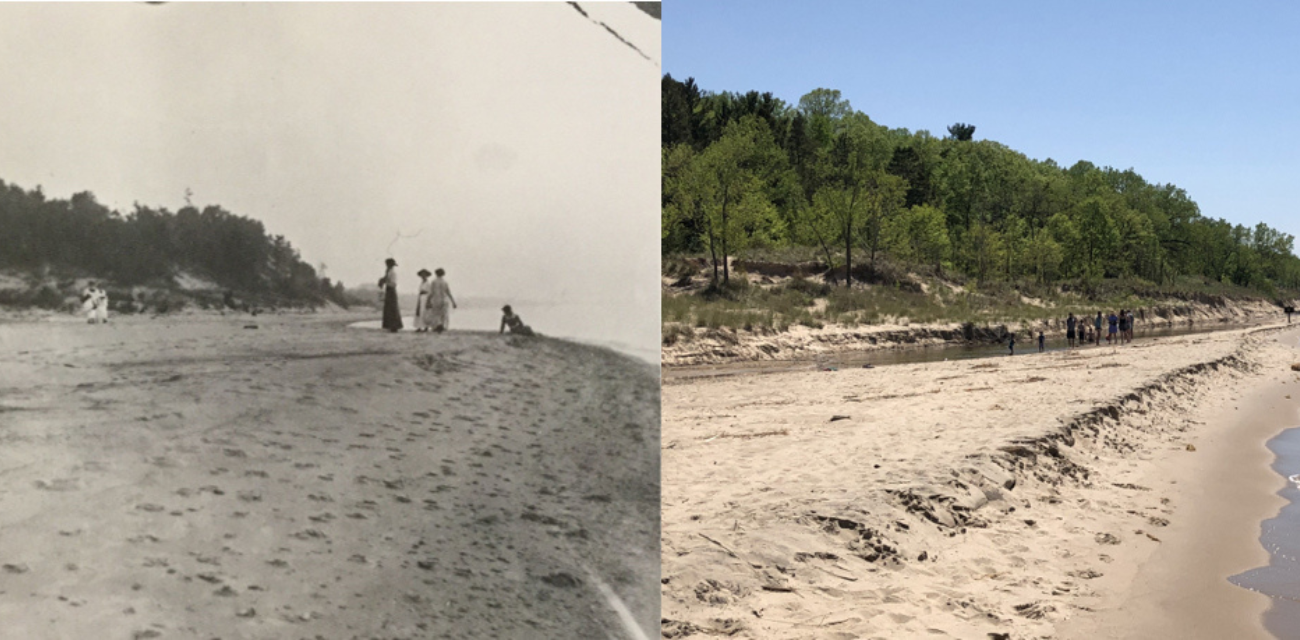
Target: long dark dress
x,y
392,315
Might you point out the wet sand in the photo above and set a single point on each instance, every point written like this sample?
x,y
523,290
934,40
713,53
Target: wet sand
x,y
1100,493
195,478
1181,589
1279,536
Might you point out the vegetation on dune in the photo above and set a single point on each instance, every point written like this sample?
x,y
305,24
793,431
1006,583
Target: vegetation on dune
x,y
151,247
749,176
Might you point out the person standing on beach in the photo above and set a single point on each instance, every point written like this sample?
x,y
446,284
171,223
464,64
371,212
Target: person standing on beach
x,y
94,301
1112,328
1070,324
101,306
392,314
88,302
1130,325
439,315
1011,344
1042,342
421,316
1096,326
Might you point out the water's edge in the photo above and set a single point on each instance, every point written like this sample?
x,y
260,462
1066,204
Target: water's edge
x,y
1280,536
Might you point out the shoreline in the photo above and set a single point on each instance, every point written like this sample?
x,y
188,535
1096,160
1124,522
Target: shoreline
x,y
1182,589
686,347
929,511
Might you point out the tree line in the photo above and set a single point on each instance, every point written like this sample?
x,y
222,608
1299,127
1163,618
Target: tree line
x,y
149,246
749,170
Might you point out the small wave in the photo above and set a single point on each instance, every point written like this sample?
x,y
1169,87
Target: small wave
x,y
1295,479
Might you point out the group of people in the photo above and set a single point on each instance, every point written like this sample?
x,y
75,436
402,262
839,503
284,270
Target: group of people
x,y
1119,328
434,304
1081,331
432,313
94,301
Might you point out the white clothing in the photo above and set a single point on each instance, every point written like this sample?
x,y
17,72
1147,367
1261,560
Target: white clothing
x,y
95,304
439,305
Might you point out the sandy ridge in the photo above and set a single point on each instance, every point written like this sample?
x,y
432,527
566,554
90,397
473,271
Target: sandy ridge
x,y
1007,538
304,480
686,346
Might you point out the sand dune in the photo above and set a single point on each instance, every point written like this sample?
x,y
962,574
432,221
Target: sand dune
x,y
994,498
196,478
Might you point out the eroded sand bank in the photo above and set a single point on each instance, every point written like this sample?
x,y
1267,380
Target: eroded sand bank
x,y
1061,495
195,478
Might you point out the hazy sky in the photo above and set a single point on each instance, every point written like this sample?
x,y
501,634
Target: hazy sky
x,y
519,141
1199,94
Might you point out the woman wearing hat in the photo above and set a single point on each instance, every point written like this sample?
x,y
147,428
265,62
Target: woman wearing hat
x,y
392,315
437,315
422,317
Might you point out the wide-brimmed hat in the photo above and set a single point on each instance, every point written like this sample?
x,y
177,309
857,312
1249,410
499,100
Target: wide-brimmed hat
x,y
390,262
423,272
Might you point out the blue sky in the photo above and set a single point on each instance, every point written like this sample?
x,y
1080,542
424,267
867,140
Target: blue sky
x,y
1202,95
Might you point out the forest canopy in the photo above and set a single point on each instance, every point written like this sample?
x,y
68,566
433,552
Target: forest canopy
x,y
150,246
748,170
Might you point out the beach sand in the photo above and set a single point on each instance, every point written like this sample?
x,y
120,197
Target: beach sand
x,y
201,478
1106,492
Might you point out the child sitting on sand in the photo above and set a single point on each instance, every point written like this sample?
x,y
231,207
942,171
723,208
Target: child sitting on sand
x,y
514,323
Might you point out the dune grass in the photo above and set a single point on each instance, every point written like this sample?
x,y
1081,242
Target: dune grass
x,y
742,305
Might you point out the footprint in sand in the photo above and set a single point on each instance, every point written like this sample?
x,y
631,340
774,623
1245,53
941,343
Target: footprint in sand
x,y
58,484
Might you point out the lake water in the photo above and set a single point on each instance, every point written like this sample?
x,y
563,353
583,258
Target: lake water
x,y
907,355
624,328
1280,535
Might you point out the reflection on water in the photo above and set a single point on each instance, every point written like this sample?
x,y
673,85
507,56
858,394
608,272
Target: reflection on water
x,y
621,327
1280,535
908,355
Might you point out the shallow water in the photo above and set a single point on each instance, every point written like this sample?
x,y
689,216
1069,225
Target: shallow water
x,y
1280,535
908,355
618,327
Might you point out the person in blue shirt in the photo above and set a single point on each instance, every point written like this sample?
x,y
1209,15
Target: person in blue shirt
x,y
1112,329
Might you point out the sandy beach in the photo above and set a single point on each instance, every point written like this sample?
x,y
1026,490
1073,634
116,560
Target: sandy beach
x,y
1105,492
287,477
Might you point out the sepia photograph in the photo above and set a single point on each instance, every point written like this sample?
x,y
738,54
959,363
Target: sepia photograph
x,y
977,321
329,320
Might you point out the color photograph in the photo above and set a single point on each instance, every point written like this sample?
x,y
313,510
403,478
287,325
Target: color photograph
x,y
977,321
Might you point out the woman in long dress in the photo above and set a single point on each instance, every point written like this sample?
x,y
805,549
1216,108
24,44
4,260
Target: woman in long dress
x,y
421,316
439,314
89,301
392,315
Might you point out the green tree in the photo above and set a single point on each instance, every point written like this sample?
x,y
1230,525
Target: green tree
x,y
962,132
825,103
920,234
733,186
857,193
